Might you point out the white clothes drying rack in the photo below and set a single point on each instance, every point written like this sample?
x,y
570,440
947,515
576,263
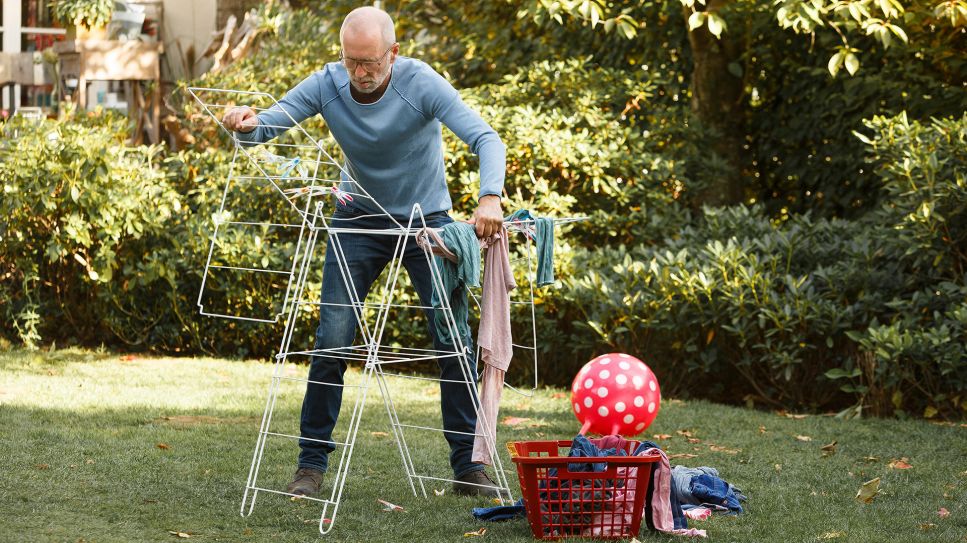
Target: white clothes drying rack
x,y
297,173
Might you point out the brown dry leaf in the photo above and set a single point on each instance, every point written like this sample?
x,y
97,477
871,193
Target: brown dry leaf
x,y
900,464
831,535
694,440
661,437
762,429
684,433
475,533
871,459
868,491
927,526
183,535
439,492
378,434
247,531
784,413
803,438
559,395
515,421
943,513
42,466
683,455
829,449
778,468
725,450
128,358
89,461
163,446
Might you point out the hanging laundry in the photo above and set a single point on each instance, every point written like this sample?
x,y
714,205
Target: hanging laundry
x,y
457,274
542,231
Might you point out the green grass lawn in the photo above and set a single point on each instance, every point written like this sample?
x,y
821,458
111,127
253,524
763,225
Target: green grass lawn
x,y
95,447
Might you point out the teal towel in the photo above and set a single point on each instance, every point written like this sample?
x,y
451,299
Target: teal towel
x,y
545,244
545,251
461,239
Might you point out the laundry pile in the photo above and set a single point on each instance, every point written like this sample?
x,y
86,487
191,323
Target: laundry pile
x,y
603,506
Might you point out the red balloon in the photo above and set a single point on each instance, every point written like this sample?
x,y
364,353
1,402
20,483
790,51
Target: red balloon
x,y
615,394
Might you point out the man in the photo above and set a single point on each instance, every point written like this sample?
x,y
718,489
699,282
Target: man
x,y
385,112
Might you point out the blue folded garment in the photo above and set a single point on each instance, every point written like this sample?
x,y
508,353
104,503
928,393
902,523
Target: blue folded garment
x,y
500,512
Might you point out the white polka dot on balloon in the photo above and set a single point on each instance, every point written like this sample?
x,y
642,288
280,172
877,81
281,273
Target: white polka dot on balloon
x,y
619,407
621,378
604,374
638,381
577,408
639,401
603,392
629,419
651,407
640,426
623,355
588,402
588,383
652,386
603,411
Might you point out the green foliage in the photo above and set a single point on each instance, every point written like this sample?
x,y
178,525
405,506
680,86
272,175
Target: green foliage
x,y
86,13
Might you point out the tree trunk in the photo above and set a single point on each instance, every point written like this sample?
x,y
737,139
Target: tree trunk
x,y
717,102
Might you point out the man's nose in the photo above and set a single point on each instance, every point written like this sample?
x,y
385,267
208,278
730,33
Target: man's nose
x,y
360,71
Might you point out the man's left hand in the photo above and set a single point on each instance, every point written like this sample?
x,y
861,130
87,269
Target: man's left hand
x,y
488,218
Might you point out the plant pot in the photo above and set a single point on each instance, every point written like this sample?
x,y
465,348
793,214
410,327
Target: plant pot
x,y
83,33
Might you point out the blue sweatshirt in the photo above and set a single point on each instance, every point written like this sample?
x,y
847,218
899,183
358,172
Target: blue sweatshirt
x,y
393,147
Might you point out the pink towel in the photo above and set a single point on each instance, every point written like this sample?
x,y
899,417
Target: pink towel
x,y
495,340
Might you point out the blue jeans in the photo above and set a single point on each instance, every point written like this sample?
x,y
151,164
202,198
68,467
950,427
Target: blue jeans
x,y
366,255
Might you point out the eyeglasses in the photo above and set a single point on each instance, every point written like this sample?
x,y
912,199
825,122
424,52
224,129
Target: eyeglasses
x,y
369,65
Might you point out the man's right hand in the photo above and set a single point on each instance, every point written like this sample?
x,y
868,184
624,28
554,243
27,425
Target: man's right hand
x,y
241,119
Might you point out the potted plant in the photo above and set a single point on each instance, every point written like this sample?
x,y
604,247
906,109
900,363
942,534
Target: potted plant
x,y
84,19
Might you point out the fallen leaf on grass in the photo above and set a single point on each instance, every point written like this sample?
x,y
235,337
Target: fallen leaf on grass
x,y
42,466
514,421
683,455
943,513
803,438
387,506
660,437
871,459
927,526
684,433
378,434
694,440
726,450
868,491
89,461
440,492
163,446
559,395
900,464
475,533
829,449
762,429
314,521
183,535
128,358
791,415
831,535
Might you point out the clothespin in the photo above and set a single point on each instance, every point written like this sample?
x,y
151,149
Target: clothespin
x,y
343,197
289,166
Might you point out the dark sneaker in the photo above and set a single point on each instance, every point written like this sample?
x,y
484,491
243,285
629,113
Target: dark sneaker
x,y
306,482
476,483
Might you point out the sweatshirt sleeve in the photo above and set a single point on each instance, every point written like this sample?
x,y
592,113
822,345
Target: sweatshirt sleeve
x,y
444,103
300,103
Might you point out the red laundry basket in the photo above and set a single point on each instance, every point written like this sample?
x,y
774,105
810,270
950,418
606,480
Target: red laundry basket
x,y
561,503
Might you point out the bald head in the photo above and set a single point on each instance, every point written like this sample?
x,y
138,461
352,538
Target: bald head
x,y
369,22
